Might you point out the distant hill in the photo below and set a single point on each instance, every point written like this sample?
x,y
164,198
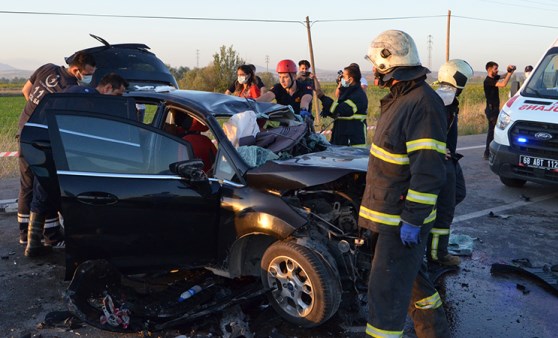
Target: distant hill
x,y
9,72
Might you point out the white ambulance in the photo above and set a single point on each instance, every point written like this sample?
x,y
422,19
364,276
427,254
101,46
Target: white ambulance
x,y
525,146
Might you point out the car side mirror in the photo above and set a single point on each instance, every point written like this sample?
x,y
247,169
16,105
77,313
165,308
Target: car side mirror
x,y
192,170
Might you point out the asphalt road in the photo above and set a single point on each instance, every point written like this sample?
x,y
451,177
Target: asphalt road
x,y
478,303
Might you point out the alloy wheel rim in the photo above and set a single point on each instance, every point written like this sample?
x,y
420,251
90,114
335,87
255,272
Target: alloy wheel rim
x,y
291,286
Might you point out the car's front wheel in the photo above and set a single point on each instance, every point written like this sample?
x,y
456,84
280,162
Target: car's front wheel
x,y
304,289
512,182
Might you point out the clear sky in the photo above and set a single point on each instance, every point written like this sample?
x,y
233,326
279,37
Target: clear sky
x,y
505,31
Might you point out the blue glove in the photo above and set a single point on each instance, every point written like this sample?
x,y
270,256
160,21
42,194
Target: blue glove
x,y
305,113
410,234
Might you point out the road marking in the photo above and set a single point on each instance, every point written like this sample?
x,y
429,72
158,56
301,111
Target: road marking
x,y
502,208
473,147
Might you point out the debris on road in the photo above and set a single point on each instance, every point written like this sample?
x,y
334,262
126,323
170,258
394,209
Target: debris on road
x,y
522,266
493,215
461,245
522,288
103,297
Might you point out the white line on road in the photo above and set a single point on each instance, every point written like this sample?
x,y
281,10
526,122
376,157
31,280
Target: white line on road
x,y
473,147
502,208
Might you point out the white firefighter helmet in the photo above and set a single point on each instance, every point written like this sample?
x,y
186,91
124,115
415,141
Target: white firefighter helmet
x,y
455,72
392,49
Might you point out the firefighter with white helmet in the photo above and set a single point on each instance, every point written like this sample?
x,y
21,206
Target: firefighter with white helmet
x,y
405,174
455,72
290,91
452,77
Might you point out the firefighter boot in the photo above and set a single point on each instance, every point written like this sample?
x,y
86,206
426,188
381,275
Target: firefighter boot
x,y
34,235
449,260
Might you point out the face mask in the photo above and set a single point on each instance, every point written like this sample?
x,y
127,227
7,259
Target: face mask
x,y
85,79
527,74
345,83
447,94
241,79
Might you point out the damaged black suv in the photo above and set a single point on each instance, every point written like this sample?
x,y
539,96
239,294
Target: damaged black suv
x,y
264,197
133,61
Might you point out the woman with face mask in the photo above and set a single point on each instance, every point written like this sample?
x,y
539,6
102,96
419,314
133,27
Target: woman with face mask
x,y
349,111
246,84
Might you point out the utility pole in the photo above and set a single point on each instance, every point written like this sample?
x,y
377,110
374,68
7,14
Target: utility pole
x,y
448,37
267,63
312,64
429,51
197,58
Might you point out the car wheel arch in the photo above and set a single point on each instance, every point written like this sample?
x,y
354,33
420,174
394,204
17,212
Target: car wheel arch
x,y
246,252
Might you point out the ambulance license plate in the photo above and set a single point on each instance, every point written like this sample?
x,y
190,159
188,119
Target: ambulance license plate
x,y
538,162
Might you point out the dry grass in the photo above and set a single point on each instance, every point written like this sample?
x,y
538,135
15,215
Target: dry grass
x,y
10,110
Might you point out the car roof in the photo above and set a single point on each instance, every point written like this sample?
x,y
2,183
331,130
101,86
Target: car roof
x,y
217,104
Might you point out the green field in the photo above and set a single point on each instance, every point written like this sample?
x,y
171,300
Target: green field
x,y
471,117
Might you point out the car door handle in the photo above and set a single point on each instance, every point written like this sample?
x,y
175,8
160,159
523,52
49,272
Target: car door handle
x,y
42,145
97,198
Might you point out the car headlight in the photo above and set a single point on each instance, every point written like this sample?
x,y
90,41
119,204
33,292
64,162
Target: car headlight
x,y
504,120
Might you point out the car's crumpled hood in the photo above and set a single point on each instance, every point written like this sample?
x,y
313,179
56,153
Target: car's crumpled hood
x,y
335,157
309,169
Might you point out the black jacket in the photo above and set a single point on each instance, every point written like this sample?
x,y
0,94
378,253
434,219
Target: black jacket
x,y
350,111
406,169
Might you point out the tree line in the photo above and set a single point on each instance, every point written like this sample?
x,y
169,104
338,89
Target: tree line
x,y
218,75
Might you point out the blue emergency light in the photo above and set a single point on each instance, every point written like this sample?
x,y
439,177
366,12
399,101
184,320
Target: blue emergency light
x,y
521,140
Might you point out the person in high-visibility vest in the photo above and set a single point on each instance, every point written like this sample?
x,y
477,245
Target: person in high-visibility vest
x,y
452,77
405,174
348,111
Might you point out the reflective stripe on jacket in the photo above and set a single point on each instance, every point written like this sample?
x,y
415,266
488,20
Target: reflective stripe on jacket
x,y
406,168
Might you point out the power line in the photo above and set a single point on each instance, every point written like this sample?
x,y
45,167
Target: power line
x,y
505,22
380,19
149,17
553,3
266,20
523,6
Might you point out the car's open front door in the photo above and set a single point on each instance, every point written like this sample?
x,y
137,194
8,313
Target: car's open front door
x,y
119,199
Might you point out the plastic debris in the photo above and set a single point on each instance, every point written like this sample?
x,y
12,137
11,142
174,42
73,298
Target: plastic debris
x,y
460,245
114,316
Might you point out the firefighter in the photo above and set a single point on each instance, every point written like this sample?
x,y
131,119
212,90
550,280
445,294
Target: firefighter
x,y
405,174
452,77
349,111
289,91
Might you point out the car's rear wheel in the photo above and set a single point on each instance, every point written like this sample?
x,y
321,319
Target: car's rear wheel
x,y
304,289
513,182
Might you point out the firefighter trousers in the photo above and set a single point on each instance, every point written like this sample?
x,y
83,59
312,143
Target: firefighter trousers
x,y
452,193
399,285
32,197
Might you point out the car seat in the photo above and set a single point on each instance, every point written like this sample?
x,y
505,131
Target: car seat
x,y
202,146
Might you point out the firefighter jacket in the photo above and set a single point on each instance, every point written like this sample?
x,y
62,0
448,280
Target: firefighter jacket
x,y
349,112
406,168
452,112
